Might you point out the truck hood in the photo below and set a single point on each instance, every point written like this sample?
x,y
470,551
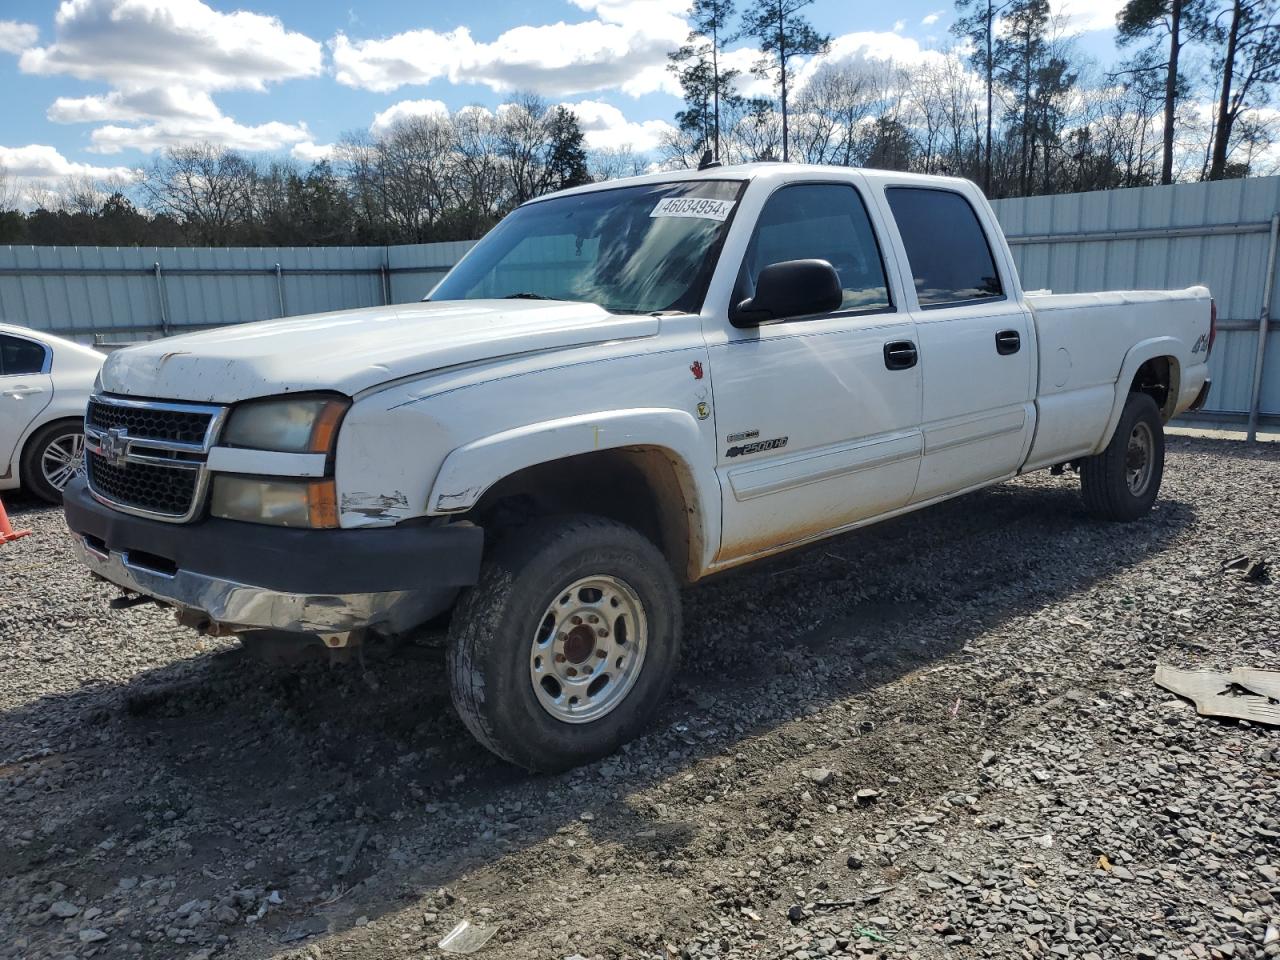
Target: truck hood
x,y
354,350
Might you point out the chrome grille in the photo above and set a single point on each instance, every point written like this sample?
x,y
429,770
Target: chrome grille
x,y
152,423
159,490
147,457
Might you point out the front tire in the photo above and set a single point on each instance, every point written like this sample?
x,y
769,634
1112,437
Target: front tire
x,y
1122,482
567,645
53,456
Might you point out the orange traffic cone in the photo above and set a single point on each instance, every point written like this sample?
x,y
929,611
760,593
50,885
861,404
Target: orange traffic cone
x,y
7,532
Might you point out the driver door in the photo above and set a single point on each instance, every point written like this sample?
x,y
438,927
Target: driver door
x,y
817,418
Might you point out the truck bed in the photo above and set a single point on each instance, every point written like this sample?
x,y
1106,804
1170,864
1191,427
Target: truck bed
x,y
1087,341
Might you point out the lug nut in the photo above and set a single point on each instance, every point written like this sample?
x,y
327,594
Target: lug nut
x,y
601,631
560,658
575,620
593,618
601,654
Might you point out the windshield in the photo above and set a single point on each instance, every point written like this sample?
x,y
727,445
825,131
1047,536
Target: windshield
x,y
643,249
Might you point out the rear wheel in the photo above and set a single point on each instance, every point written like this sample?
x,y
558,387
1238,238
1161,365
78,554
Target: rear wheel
x,y
564,649
1122,482
53,456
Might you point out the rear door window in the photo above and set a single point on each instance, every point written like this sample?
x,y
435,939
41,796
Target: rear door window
x,y
20,357
951,260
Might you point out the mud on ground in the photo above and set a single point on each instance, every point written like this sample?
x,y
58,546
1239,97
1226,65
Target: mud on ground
x,y
935,737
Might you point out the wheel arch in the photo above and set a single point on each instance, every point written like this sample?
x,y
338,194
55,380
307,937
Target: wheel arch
x,y
1152,367
639,467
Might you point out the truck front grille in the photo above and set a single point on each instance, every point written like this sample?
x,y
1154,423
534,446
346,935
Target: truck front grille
x,y
165,491
147,457
150,423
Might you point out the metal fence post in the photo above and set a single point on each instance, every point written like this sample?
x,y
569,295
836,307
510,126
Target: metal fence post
x,y
280,288
1264,321
386,289
164,314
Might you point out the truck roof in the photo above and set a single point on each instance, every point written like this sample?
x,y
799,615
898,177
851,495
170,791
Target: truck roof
x,y
753,171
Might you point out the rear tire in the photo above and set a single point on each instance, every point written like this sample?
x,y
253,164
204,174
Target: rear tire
x,y
53,455
567,645
1122,482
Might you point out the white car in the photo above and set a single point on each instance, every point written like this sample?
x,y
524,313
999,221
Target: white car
x,y
45,383
621,389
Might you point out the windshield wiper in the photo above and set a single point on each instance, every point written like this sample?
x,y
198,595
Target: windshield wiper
x,y
527,296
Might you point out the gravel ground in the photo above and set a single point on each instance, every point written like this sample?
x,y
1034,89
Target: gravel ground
x,y
937,737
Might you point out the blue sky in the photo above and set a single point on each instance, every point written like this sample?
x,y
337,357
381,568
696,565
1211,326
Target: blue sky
x,y
95,87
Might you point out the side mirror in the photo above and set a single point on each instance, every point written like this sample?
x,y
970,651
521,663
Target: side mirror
x,y
792,288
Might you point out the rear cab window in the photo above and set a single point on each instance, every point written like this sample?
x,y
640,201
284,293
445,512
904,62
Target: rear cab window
x,y
19,357
948,251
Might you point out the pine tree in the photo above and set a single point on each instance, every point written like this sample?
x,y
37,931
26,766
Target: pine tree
x,y
706,85
783,35
1181,22
978,24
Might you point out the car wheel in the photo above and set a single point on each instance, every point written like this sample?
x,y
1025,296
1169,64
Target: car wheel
x,y
565,648
1122,482
53,456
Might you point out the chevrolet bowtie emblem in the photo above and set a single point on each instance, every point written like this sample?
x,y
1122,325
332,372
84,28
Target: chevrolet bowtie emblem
x,y
113,445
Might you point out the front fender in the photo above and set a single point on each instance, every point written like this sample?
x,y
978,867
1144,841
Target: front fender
x,y
473,468
1138,354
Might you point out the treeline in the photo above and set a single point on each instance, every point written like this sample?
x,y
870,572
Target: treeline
x,y
427,178
1011,105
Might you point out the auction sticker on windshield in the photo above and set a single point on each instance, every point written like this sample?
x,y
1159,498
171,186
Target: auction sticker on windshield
x,y
704,208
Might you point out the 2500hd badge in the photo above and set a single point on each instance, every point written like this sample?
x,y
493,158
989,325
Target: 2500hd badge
x,y
777,443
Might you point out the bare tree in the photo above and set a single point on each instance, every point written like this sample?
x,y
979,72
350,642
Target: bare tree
x,y
207,189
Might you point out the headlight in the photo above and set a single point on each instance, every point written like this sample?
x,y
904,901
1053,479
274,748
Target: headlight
x,y
286,424
283,503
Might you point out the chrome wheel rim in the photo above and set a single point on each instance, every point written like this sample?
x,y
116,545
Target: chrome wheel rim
x,y
1139,459
588,649
63,459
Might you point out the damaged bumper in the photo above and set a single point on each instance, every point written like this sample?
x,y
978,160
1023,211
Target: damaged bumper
x,y
255,577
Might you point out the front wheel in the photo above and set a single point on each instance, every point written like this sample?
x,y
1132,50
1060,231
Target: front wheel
x,y
567,645
1122,482
53,456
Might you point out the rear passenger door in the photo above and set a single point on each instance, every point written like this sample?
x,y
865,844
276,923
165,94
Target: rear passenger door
x,y
976,349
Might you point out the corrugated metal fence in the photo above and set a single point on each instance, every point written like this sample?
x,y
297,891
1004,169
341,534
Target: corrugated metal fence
x,y
130,293
1152,237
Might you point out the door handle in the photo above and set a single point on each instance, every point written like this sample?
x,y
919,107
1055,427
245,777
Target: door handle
x,y
1007,342
17,393
900,355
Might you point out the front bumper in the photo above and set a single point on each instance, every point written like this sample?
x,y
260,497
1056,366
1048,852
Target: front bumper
x,y
255,577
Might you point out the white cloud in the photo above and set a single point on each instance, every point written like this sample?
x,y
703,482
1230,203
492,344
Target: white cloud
x,y
929,19
220,130
625,45
155,104
605,127
38,160
16,37
388,118
38,173
162,59
144,44
899,26
309,152
1082,16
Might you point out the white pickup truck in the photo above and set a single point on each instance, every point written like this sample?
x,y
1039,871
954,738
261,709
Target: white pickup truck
x,y
623,388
